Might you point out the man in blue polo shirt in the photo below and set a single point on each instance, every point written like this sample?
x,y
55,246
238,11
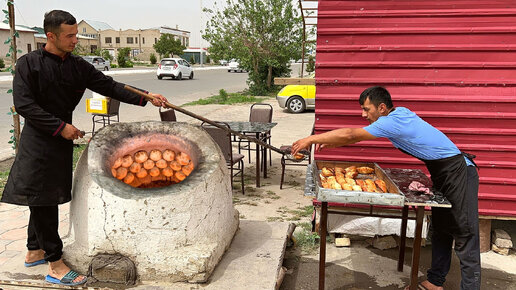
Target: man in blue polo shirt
x,y
452,173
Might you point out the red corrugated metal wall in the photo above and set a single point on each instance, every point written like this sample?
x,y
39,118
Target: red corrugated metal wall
x,y
451,62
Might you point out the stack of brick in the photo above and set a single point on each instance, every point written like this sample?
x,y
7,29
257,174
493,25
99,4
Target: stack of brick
x,y
501,242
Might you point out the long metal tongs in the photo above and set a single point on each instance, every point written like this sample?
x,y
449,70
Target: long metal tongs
x,y
186,112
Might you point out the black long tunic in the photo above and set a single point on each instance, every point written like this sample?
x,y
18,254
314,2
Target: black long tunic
x,y
46,90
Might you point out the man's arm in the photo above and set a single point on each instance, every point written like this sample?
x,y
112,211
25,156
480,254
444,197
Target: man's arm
x,y
106,86
334,138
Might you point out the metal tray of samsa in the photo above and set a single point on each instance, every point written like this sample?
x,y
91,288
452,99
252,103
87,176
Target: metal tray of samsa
x,y
393,197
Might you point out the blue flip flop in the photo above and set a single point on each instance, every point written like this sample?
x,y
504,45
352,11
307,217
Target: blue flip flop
x,y
67,280
39,262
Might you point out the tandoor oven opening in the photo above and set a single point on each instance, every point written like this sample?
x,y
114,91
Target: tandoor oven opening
x,y
158,167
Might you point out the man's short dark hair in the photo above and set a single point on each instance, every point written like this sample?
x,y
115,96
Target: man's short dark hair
x,y
376,95
54,19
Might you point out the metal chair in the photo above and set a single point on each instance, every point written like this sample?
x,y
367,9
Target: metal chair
x,y
167,115
112,112
287,160
258,112
234,161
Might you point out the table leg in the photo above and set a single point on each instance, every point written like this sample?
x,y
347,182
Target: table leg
x,y
403,236
264,161
257,161
416,249
322,248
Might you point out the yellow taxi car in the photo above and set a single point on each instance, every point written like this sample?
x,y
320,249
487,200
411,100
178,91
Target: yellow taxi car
x,y
297,98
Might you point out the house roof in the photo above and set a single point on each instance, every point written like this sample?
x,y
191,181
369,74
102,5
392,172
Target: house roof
x,y
165,29
98,25
42,35
21,28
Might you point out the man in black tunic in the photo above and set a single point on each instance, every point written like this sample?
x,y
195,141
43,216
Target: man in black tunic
x,y
47,86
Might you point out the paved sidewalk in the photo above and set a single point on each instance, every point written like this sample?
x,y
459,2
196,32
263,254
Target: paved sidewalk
x,y
13,232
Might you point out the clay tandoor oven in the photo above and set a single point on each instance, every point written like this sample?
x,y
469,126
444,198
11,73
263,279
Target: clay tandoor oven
x,y
174,231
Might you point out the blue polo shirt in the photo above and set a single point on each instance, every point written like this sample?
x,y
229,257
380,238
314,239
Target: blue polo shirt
x,y
412,134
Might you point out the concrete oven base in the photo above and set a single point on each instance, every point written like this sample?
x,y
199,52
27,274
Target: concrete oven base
x,y
253,261
175,233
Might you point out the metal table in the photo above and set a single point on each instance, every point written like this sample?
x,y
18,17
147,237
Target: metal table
x,y
254,128
402,178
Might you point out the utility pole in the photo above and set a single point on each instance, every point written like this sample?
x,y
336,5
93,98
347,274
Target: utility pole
x,y
200,38
16,117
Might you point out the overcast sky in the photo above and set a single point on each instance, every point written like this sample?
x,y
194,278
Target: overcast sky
x,y
121,14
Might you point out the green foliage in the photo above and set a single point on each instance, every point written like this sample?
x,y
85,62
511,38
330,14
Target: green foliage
x,y
10,53
223,98
264,35
113,65
310,66
167,45
106,55
306,239
77,152
95,52
192,59
153,58
207,59
80,50
2,64
123,57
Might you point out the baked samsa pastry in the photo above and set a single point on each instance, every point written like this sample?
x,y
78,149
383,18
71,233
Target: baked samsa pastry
x,y
155,155
141,156
325,171
365,170
381,184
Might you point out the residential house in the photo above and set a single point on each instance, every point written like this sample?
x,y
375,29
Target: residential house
x,y
25,41
92,29
141,41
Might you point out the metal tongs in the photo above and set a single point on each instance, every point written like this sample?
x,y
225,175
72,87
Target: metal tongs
x,y
215,124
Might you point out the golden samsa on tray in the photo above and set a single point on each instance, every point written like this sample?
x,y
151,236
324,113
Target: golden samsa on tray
x,y
346,179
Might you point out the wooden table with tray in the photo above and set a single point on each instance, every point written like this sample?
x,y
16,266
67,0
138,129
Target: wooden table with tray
x,y
374,204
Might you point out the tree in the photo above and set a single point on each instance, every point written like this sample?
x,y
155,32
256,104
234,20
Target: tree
x,y
123,56
310,66
207,59
80,50
152,58
167,45
192,59
263,35
106,55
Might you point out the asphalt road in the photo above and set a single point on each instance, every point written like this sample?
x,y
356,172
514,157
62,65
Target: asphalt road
x,y
205,83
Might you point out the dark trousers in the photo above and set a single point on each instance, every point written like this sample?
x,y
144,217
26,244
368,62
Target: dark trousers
x,y
467,248
43,232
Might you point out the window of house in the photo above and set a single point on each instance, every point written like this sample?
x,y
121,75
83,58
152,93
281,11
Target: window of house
x,y
117,39
84,30
136,39
155,40
129,40
143,40
108,39
29,47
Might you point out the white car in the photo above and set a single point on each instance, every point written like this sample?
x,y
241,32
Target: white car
x,y
177,68
98,62
235,66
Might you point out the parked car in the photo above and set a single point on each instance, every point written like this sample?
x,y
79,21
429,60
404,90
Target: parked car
x,y
297,98
223,62
98,62
177,68
234,66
